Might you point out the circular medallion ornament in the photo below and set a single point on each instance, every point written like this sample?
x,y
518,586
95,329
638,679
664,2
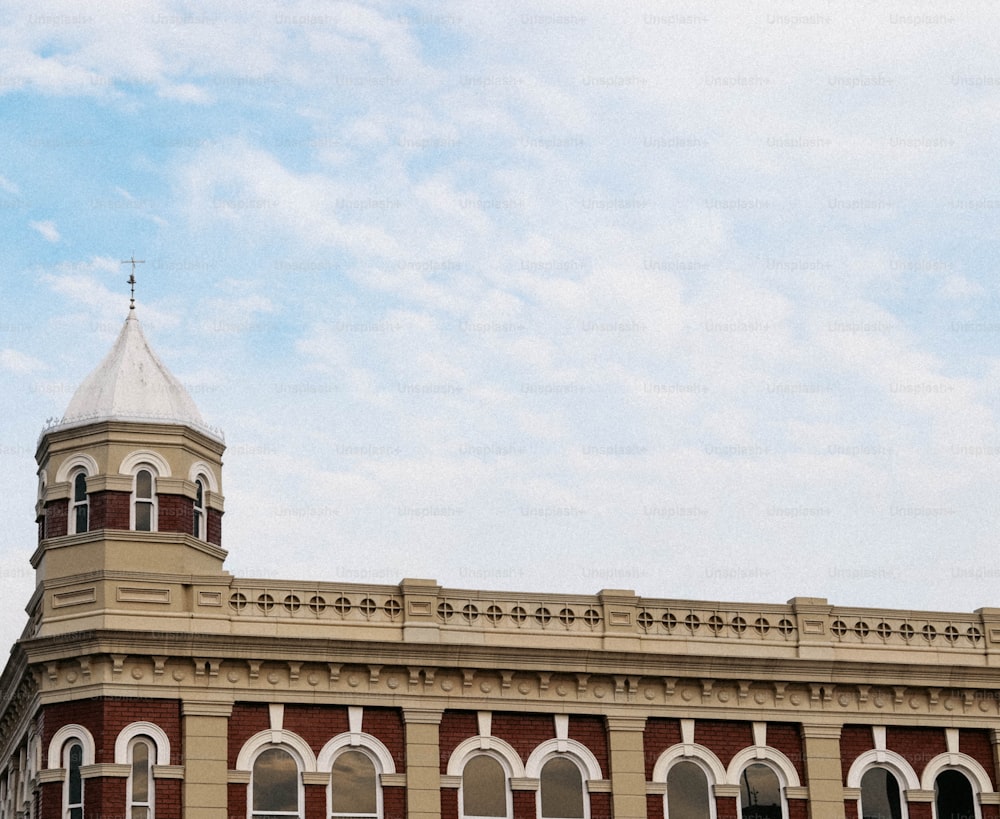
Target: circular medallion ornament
x,y
71,676
600,691
723,696
273,678
561,690
447,685
687,695
313,679
650,694
178,675
795,699
760,697
233,677
844,700
524,688
392,682
354,681
136,673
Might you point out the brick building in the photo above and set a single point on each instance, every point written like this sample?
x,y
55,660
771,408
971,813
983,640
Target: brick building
x,y
149,682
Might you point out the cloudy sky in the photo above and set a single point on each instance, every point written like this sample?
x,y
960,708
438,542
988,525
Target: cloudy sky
x,y
695,299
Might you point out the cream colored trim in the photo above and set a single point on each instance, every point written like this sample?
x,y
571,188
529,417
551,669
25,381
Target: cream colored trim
x,y
591,768
883,759
148,729
369,745
168,771
396,780
788,777
104,769
131,462
202,468
79,460
286,740
491,746
64,735
698,754
239,777
980,780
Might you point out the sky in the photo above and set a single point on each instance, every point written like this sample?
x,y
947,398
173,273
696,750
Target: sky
x,y
694,299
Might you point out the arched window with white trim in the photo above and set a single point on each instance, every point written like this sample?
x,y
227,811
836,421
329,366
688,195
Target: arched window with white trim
x,y
954,797
79,513
688,793
73,786
275,785
561,794
485,790
139,788
355,792
199,527
144,499
760,793
881,796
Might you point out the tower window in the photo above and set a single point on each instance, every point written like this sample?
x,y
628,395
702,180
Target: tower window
x,y
74,782
144,501
140,782
199,508
80,511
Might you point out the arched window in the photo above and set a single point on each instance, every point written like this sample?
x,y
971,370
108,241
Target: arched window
x,y
953,796
880,795
73,789
760,793
484,788
80,510
139,790
354,787
561,789
688,795
144,500
274,785
199,508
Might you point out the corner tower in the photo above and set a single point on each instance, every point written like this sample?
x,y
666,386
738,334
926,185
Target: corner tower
x,y
130,498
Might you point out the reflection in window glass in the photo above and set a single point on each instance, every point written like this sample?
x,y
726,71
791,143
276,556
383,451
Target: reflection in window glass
x,y
880,795
953,796
144,501
74,783
81,508
140,801
687,792
562,789
760,793
275,784
353,786
484,787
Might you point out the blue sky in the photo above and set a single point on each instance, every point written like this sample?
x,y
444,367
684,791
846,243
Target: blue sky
x,y
698,300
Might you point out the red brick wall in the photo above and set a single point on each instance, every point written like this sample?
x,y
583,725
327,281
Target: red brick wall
x,y
175,513
919,810
109,510
245,721
654,806
725,807
315,799
918,746
591,732
659,735
105,719
797,808
724,738
386,725
524,732
238,801
449,803
854,741
394,803
787,738
600,806
50,801
851,809
56,518
215,527
976,743
168,798
455,727
316,724
991,811
525,804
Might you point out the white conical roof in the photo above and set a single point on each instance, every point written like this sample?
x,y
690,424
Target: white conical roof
x,y
132,384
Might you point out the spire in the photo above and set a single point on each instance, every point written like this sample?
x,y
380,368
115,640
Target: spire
x,y
131,279
132,384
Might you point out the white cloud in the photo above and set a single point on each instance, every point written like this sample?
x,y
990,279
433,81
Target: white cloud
x,y
47,229
19,363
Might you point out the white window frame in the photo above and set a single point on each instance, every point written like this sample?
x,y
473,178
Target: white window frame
x,y
300,788
68,806
152,501
374,759
710,781
508,791
75,504
581,767
150,803
779,775
201,512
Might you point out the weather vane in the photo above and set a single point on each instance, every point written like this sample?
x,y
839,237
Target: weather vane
x,y
131,279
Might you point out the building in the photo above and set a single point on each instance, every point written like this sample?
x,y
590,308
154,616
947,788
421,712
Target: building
x,y
149,682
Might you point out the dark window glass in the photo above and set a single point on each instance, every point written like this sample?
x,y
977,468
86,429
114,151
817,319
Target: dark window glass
x,y
353,785
144,501
760,793
139,783
687,792
562,789
275,784
484,787
953,796
199,509
880,795
80,505
74,794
